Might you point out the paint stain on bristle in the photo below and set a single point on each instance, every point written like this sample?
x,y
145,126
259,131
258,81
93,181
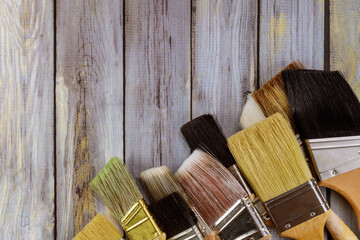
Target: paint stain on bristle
x,y
270,157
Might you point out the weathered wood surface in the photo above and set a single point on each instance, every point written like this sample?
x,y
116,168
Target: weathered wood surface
x,y
26,120
157,75
89,104
224,58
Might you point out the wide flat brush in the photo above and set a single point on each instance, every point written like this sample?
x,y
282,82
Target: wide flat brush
x,y
273,163
173,216
118,190
99,228
219,198
327,114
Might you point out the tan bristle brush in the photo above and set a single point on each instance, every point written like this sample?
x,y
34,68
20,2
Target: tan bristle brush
x,y
219,198
270,99
274,165
118,190
99,228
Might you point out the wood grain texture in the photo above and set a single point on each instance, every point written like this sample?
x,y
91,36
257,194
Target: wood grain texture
x,y
224,58
26,120
89,104
290,31
157,74
345,40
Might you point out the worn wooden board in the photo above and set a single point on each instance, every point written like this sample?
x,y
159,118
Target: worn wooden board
x,y
157,75
224,58
89,104
26,120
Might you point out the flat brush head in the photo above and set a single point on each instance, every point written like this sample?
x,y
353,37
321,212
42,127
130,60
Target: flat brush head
x,y
116,187
251,113
172,214
323,104
205,133
270,157
99,228
209,185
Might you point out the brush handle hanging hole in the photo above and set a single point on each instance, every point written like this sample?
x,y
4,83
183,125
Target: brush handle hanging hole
x,y
288,225
312,214
333,172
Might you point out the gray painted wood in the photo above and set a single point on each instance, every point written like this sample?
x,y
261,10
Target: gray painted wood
x,y
157,74
89,104
26,120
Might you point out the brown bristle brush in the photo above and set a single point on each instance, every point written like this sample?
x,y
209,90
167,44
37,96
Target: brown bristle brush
x,y
118,190
205,133
219,198
270,99
274,165
327,114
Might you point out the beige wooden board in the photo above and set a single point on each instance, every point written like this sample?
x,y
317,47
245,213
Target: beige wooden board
x,y
224,58
89,104
345,40
290,30
157,75
26,120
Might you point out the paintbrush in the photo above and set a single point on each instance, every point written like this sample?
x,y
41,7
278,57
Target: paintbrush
x,y
327,114
205,133
272,161
219,198
118,190
99,228
173,216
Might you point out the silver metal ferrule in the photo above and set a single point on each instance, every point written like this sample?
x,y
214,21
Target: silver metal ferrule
x,y
334,156
297,206
192,233
200,223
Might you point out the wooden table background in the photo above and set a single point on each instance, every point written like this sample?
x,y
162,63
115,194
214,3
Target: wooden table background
x,y
84,80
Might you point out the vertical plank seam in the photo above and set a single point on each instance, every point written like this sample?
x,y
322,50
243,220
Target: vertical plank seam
x,y
192,8
124,76
327,35
55,136
257,78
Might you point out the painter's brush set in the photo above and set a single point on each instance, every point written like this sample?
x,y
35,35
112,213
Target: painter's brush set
x,y
301,130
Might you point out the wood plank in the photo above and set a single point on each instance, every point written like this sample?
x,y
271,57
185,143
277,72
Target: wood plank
x,y
224,58
157,74
26,120
345,56
89,104
290,31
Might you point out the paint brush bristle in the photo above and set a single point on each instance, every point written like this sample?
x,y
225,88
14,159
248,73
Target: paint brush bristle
x,y
251,113
99,228
205,133
116,187
323,104
209,186
270,157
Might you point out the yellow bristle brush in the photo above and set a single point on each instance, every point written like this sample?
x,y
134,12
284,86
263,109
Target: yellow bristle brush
x,y
274,165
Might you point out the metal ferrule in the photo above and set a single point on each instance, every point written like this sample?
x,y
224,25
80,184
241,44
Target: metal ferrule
x,y
297,206
138,223
200,223
235,171
334,156
241,222
192,233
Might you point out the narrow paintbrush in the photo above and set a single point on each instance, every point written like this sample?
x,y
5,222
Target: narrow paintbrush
x,y
99,228
118,190
219,198
327,114
173,216
205,133
273,163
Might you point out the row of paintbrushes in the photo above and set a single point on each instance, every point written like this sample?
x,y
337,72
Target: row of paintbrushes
x,y
300,129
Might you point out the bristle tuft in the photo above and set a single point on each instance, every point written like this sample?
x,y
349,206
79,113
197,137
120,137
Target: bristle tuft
x,y
209,185
172,214
205,133
323,104
270,157
251,113
116,187
99,228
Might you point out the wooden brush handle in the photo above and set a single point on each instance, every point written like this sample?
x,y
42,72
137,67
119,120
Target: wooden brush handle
x,y
161,237
348,185
338,229
310,230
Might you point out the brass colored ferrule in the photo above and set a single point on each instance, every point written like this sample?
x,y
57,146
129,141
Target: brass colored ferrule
x,y
297,206
138,223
